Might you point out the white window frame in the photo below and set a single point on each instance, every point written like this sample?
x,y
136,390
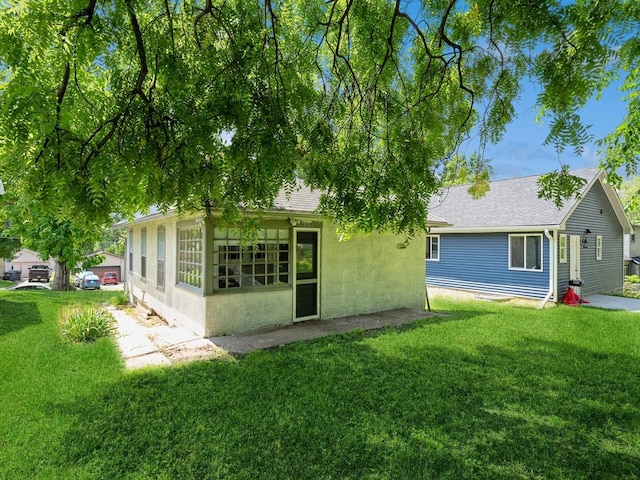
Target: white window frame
x,y
161,249
190,256
524,253
562,248
130,248
430,242
143,253
264,264
598,247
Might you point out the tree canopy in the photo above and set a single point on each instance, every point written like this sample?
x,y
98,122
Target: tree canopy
x,y
114,105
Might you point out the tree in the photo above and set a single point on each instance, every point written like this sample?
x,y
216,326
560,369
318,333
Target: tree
x,y
9,246
629,192
114,105
66,235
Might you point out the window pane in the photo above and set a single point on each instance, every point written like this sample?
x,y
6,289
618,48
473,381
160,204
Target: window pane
x,y
517,252
260,262
534,256
190,256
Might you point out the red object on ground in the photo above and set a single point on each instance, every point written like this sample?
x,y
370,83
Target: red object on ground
x,y
572,298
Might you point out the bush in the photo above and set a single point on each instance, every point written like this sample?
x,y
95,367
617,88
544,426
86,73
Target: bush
x,y
119,300
86,324
632,279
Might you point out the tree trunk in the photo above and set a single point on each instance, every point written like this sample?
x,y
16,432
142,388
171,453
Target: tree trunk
x,y
61,278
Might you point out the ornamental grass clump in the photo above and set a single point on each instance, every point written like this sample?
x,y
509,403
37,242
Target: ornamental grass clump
x,y
86,323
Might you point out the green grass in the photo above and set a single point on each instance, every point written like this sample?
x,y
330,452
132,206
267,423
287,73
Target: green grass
x,y
486,391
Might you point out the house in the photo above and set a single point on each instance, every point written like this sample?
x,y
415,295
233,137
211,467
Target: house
x,y
111,263
195,271
23,260
632,251
512,243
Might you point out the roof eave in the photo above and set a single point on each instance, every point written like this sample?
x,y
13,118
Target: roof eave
x,y
503,229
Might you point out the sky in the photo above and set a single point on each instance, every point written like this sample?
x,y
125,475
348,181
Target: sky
x,y
522,153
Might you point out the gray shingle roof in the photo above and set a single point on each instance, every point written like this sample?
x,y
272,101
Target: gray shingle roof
x,y
300,199
512,202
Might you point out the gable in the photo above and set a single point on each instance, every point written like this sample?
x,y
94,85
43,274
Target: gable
x,y
513,204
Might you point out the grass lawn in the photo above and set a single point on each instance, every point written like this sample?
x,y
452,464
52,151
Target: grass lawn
x,y
487,391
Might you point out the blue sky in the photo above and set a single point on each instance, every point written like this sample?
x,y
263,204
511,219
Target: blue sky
x,y
522,153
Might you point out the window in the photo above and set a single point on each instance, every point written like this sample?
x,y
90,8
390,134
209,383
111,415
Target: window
x,y
161,256
633,238
525,252
562,249
433,248
266,262
143,253
599,247
190,256
130,246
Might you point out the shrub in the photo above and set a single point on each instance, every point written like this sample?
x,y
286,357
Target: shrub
x,y
86,324
632,279
119,299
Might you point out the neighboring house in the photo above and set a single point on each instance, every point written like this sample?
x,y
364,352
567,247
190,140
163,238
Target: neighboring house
x,y
195,271
632,251
512,243
111,263
23,260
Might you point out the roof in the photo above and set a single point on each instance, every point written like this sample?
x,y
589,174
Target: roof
x,y
513,204
300,199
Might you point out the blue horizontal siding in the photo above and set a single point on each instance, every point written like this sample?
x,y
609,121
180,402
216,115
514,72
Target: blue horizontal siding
x,y
480,262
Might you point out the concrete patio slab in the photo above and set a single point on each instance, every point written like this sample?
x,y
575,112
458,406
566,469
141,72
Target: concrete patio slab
x,y
612,302
312,329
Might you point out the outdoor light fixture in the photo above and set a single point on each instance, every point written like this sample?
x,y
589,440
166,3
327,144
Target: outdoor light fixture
x,y
587,231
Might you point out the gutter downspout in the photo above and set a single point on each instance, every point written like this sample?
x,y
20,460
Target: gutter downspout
x,y
552,264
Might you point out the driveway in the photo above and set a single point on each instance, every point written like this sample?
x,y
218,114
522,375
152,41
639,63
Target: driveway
x,y
614,303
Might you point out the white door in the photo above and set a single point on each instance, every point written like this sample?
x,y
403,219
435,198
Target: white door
x,y
574,257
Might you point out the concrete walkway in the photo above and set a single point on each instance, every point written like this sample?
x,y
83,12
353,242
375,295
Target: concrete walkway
x,y
275,337
149,341
613,303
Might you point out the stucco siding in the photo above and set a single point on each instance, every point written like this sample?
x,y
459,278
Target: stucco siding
x,y
173,303
599,276
361,275
480,262
240,311
370,274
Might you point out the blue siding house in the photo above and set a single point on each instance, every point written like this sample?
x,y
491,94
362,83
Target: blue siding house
x,y
512,243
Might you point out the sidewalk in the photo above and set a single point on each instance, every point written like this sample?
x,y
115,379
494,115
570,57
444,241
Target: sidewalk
x,y
150,341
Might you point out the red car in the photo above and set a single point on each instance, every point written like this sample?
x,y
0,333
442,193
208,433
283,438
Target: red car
x,y
110,278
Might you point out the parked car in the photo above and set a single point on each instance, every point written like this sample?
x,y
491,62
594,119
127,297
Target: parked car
x,y
110,278
77,280
90,282
39,273
30,286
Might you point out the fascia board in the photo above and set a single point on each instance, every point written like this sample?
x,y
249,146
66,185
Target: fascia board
x,y
510,229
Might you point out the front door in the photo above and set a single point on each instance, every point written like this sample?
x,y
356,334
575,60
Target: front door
x,y
306,283
574,257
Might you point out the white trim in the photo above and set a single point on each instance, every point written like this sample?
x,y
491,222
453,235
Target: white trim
x,y
429,257
505,229
563,248
598,247
524,269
